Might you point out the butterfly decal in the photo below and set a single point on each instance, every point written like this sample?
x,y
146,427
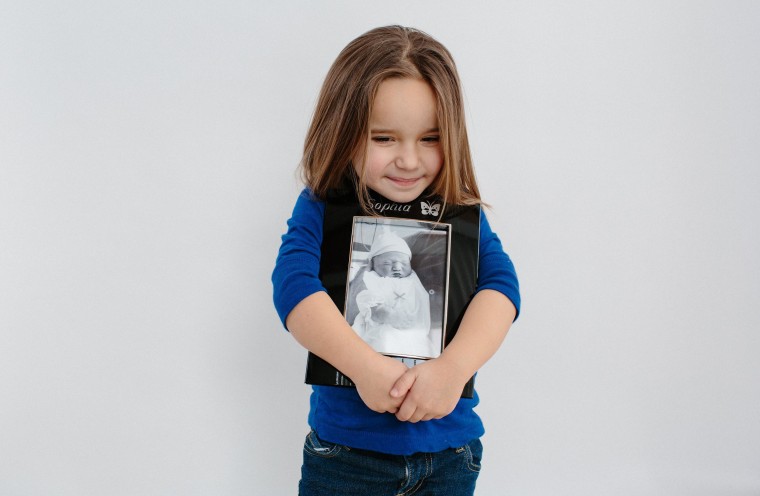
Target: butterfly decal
x,y
430,209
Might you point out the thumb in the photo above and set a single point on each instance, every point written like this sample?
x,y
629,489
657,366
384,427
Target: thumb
x,y
404,383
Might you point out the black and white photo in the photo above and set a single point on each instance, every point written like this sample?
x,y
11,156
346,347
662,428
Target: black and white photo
x,y
396,285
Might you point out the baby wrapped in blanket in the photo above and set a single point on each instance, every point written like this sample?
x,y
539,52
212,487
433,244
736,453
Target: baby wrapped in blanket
x,y
393,305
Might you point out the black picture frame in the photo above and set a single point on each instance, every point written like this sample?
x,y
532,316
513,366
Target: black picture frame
x,y
462,224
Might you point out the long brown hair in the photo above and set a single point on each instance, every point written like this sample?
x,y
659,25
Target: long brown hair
x,y
339,127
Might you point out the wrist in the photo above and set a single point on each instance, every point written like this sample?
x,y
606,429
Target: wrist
x,y
361,362
457,367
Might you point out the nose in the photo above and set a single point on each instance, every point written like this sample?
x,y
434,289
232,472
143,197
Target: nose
x,y
408,157
396,266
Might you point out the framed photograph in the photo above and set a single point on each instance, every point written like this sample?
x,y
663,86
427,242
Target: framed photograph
x,y
397,285
402,275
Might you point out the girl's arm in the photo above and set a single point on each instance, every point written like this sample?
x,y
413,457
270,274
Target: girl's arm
x,y
433,388
314,320
319,327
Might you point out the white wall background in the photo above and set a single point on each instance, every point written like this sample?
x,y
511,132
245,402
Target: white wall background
x,y
147,157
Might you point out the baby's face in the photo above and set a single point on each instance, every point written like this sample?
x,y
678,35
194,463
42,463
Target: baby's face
x,y
392,264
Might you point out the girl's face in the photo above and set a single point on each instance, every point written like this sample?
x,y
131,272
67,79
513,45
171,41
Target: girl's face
x,y
403,155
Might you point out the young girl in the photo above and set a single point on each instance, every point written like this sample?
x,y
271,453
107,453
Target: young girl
x,y
390,121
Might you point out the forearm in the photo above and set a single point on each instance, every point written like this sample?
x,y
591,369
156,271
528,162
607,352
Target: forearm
x,y
319,327
483,328
433,388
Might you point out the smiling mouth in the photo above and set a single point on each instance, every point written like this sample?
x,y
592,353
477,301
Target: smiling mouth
x,y
403,181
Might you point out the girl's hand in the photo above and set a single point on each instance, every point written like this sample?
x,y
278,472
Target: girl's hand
x,y
430,390
375,382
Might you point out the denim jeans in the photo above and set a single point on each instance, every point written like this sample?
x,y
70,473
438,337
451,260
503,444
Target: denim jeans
x,y
335,470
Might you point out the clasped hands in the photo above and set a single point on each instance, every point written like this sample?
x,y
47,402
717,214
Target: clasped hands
x,y
429,390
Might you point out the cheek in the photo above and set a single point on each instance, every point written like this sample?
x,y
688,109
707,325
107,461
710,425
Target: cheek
x,y
436,160
376,161
432,160
360,159
357,166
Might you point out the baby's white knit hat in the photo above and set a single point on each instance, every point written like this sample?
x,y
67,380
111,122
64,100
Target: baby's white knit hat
x,y
389,241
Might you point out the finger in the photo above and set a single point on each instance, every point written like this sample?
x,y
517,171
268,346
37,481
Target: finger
x,y
406,411
419,416
394,406
403,384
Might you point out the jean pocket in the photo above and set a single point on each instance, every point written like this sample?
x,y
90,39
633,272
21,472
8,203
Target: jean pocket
x,y
317,447
472,453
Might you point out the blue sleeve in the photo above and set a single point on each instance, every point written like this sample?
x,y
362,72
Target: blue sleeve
x,y
296,272
495,269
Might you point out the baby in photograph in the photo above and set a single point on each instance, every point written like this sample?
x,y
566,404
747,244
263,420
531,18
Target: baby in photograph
x,y
393,305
